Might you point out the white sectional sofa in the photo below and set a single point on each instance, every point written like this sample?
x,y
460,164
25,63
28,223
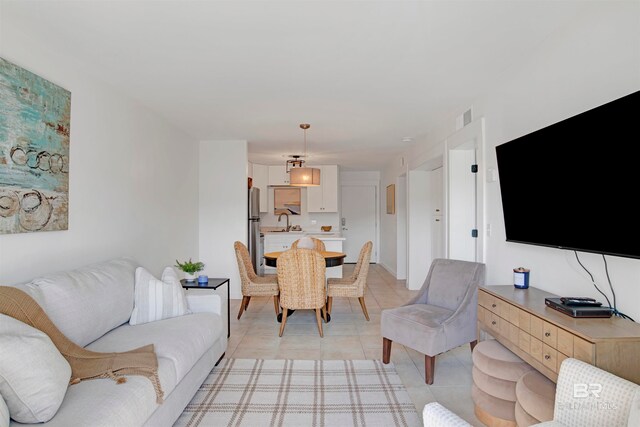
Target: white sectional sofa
x,y
92,307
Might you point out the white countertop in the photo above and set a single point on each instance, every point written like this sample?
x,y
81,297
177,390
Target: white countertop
x,y
331,235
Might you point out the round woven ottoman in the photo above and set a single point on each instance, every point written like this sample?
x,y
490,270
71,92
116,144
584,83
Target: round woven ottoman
x,y
535,396
496,371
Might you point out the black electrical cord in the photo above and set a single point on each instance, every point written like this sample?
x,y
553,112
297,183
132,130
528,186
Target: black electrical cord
x,y
606,269
615,307
592,279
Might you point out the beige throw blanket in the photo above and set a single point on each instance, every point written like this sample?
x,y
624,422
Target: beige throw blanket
x,y
85,364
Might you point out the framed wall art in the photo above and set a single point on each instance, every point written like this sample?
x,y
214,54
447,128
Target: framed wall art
x,y
391,199
34,152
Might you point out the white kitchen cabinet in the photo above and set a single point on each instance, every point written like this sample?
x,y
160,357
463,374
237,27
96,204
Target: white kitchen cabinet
x,y
278,175
324,198
278,242
261,180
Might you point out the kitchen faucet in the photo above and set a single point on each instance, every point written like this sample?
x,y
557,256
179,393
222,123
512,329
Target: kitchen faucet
x,y
280,216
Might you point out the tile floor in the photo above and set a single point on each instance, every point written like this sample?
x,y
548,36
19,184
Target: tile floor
x,y
350,336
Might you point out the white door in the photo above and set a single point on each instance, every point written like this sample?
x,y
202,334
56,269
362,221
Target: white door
x,y
358,220
462,205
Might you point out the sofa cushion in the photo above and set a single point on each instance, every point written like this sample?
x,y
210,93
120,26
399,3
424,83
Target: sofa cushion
x,y
4,413
88,302
157,299
33,374
183,340
103,402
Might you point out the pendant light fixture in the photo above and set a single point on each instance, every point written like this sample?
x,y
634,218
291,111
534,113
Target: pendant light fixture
x,y
303,176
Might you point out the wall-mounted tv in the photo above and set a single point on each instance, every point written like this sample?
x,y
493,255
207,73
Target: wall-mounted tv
x,y
576,184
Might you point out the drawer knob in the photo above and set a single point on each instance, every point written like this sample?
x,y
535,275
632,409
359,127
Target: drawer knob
x,y
493,322
493,305
547,334
547,357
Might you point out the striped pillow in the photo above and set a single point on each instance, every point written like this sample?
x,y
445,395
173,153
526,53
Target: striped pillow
x,y
157,299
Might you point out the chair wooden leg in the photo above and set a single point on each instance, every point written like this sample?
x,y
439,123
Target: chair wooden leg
x,y
364,308
473,344
429,368
276,304
247,304
386,350
245,301
284,320
324,313
319,321
329,304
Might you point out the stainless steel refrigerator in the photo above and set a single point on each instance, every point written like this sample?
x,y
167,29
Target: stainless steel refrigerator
x,y
256,239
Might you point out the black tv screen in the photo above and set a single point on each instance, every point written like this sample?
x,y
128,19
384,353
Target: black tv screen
x,y
576,184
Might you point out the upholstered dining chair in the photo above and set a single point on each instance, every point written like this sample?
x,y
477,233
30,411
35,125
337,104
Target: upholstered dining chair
x,y
309,243
442,316
354,285
252,284
301,278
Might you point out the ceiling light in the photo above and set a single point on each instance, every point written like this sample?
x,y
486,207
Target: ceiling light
x,y
407,139
303,176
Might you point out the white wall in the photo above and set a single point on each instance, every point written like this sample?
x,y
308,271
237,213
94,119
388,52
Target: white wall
x,y
223,216
419,228
364,178
593,60
133,179
388,222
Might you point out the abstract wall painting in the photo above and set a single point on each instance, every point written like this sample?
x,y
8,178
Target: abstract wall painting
x,y
34,152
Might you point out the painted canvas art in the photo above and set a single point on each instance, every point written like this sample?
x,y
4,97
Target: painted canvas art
x,y
34,152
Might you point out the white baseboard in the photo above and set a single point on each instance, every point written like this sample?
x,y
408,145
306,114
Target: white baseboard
x,y
386,267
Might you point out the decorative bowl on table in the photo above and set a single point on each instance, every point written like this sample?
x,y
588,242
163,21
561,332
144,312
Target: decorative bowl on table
x,y
325,228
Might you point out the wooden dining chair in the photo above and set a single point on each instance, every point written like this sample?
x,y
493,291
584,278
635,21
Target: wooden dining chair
x,y
353,286
252,284
318,244
301,278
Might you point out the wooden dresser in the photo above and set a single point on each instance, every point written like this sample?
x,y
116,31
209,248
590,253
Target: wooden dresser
x,y
543,337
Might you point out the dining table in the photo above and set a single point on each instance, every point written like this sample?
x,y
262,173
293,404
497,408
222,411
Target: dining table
x,y
331,259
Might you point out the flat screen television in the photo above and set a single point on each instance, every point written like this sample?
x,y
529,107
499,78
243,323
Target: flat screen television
x,y
576,184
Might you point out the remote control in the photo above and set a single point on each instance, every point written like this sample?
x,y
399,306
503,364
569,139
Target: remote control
x,y
590,302
563,299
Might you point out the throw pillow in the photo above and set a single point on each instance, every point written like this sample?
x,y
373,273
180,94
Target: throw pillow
x,y
157,299
4,413
34,376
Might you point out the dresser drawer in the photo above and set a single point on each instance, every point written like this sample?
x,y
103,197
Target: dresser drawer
x,y
483,298
524,342
514,315
514,334
565,342
536,327
504,327
524,321
535,349
550,357
583,350
550,334
481,311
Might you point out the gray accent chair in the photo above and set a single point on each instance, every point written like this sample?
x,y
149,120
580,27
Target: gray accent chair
x,y
442,316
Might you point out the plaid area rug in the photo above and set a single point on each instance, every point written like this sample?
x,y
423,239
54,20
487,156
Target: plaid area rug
x,y
252,393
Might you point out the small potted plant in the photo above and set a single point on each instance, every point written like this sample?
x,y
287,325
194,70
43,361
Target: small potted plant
x,y
190,269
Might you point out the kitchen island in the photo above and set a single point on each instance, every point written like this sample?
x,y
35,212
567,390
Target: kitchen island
x,y
277,241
